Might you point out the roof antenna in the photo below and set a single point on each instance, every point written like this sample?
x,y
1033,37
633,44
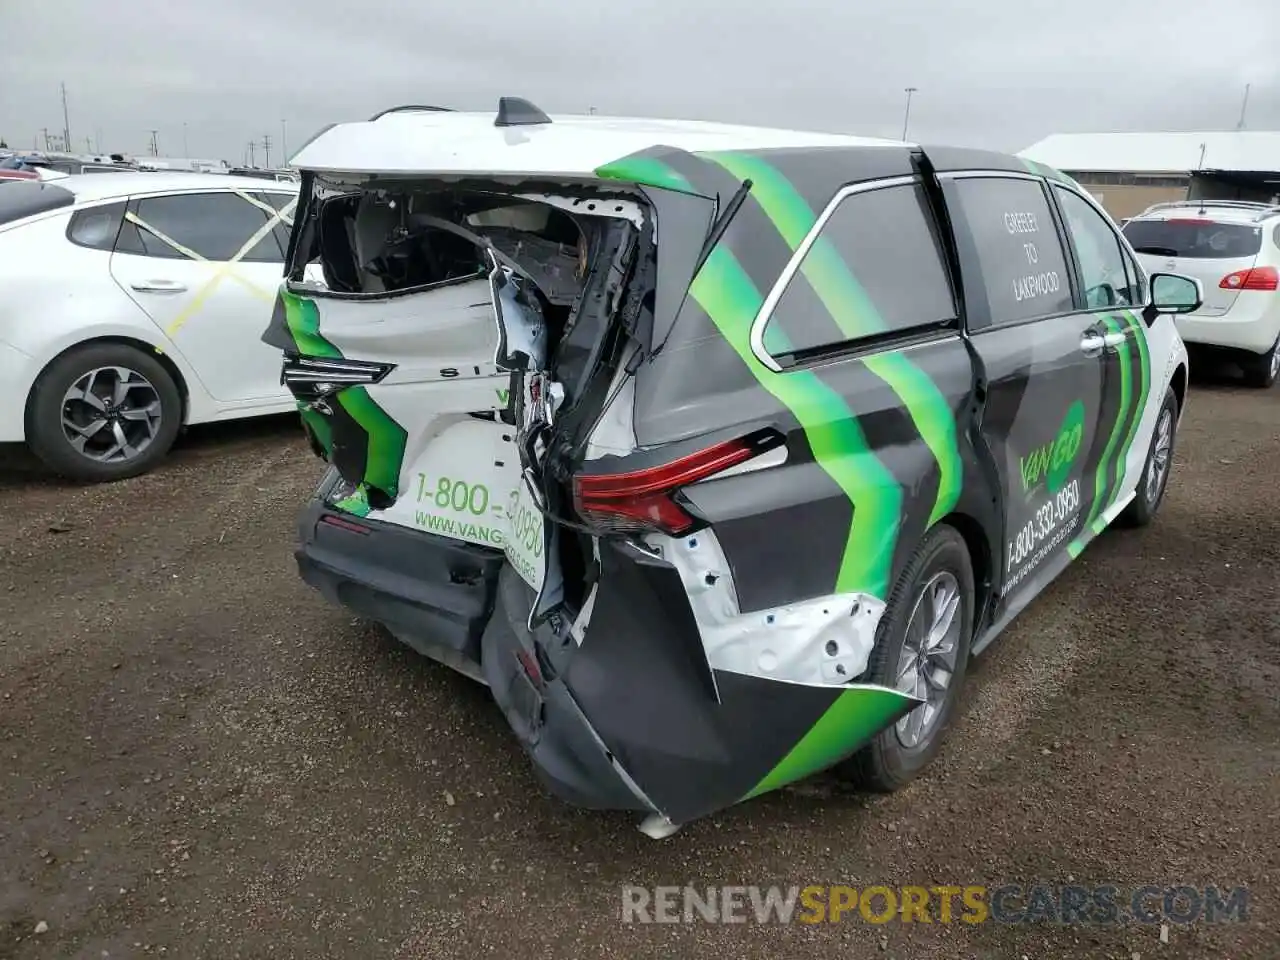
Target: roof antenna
x,y
518,112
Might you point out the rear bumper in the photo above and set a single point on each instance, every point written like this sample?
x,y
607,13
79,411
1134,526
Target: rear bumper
x,y
568,755
1256,334
433,593
634,718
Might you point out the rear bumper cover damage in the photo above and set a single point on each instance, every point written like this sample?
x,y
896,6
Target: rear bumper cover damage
x,y
433,593
636,719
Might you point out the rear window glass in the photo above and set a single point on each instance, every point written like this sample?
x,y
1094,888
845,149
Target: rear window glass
x,y
1196,238
24,198
876,268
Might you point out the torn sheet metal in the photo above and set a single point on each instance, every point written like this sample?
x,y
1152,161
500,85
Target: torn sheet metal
x,y
825,640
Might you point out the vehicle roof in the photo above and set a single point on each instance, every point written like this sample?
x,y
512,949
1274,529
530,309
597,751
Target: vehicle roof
x,y
1219,213
460,143
89,187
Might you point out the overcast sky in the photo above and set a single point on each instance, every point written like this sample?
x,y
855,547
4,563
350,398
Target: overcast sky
x,y
1004,77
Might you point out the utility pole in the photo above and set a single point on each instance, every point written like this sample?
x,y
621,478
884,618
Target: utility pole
x,y
906,116
45,131
88,145
284,141
97,138
66,124
155,147
252,161
1243,107
266,150
186,151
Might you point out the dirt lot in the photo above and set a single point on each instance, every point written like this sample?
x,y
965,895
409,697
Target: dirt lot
x,y
198,758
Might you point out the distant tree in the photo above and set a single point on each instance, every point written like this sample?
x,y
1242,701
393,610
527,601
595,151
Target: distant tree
x,y
3,145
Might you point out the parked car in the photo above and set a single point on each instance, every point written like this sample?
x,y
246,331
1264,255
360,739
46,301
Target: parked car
x,y
151,291
13,168
1233,248
684,438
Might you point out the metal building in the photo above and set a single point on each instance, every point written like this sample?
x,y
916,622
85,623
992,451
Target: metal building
x,y
1128,172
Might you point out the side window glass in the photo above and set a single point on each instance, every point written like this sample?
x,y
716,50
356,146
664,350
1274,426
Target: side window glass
x,y
1137,280
1024,268
214,226
877,267
282,202
96,227
1098,250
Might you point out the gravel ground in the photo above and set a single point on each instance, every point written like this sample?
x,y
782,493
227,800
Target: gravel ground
x,y
199,758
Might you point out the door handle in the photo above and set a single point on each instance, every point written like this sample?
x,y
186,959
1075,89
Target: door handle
x,y
159,286
1113,340
1092,344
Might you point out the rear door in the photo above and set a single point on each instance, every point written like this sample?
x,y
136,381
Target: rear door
x,y
1200,246
205,266
1045,369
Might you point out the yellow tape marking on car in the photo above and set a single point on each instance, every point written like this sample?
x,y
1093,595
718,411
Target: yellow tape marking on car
x,y
228,268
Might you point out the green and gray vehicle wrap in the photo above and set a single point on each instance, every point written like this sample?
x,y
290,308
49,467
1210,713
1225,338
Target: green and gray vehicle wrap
x,y
995,430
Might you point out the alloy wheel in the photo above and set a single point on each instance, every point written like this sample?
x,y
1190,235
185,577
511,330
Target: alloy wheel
x,y
111,414
928,658
1158,469
1275,362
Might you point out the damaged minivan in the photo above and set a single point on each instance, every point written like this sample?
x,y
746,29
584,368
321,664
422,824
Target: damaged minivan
x,y
715,452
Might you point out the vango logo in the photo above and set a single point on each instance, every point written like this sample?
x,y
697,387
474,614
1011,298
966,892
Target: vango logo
x,y
1052,462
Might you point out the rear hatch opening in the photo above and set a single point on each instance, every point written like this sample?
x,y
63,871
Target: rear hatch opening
x,y
395,272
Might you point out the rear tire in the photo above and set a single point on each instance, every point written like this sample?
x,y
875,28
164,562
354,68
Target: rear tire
x,y
1262,372
893,758
103,412
1154,481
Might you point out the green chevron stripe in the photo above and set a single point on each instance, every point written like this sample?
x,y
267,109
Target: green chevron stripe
x,y
385,437
648,171
730,299
302,317
725,291
856,316
1100,481
857,715
1142,361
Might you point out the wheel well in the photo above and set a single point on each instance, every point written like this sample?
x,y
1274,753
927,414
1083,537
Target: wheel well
x,y
975,539
141,345
1179,384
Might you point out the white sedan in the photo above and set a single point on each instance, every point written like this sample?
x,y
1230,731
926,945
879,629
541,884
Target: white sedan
x,y
133,304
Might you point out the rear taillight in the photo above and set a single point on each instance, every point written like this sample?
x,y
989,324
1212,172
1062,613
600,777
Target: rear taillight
x,y
642,500
1256,278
